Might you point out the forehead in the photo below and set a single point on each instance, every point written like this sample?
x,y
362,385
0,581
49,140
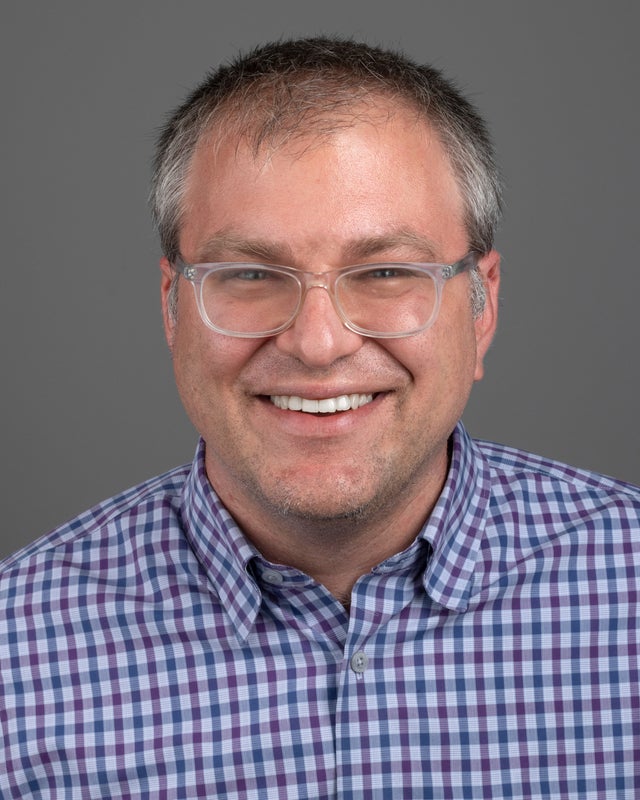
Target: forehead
x,y
267,123
236,133
381,168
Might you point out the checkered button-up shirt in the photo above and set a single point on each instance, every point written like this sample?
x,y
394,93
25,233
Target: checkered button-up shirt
x,y
148,651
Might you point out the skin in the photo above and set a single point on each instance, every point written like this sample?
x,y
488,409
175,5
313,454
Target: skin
x,y
331,495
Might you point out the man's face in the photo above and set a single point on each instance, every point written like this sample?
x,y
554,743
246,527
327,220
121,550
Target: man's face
x,y
380,190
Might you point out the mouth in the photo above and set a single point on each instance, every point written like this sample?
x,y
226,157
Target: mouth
x,y
325,405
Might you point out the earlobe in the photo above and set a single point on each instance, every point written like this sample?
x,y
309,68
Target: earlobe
x,y
487,322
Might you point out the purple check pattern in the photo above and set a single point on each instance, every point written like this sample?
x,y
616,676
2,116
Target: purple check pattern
x,y
148,651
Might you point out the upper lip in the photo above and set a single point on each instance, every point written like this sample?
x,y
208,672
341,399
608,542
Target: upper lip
x,y
319,394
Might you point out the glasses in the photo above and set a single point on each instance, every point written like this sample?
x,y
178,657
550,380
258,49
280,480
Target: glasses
x,y
378,300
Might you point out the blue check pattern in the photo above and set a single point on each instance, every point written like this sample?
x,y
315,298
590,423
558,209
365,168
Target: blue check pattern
x,y
148,651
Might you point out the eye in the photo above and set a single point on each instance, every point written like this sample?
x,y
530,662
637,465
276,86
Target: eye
x,y
249,280
381,272
247,274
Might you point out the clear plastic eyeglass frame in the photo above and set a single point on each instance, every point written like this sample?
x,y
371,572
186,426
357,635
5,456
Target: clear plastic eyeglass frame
x,y
305,280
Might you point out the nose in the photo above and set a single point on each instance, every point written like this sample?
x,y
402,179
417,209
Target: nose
x,y
318,336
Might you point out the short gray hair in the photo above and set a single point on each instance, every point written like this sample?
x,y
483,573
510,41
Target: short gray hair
x,y
290,88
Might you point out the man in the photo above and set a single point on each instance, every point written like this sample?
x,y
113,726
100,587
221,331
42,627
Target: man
x,y
343,595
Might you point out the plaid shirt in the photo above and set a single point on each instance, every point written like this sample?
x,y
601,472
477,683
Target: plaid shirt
x,y
148,651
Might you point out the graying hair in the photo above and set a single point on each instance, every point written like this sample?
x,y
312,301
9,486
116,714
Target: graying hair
x,y
293,88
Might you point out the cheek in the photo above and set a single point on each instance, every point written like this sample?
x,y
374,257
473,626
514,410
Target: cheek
x,y
206,364
442,363
442,353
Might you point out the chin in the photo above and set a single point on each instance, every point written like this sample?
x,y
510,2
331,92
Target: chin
x,y
340,501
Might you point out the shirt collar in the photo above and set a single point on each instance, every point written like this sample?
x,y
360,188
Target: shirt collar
x,y
456,524
221,548
453,530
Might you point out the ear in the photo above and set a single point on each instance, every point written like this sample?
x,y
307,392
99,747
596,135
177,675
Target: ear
x,y
167,276
486,323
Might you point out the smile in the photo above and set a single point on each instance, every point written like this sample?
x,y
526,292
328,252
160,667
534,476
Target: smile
x,y
328,405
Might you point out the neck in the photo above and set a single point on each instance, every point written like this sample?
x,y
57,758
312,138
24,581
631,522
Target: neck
x,y
337,551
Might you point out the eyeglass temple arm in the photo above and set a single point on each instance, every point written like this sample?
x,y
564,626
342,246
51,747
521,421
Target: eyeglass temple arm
x,y
470,261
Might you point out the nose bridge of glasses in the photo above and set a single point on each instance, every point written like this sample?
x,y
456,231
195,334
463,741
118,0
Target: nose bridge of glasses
x,y
320,280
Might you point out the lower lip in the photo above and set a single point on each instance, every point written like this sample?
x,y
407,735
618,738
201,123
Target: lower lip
x,y
299,423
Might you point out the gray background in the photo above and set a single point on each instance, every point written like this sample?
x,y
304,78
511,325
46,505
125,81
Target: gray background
x,y
88,403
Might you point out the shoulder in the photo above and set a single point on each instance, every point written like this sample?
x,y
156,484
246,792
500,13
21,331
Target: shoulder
x,y
518,463
548,518
106,533
550,489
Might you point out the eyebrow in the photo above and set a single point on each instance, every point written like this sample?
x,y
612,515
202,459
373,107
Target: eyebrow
x,y
227,245
370,246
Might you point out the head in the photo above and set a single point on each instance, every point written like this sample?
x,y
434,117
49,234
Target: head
x,y
317,155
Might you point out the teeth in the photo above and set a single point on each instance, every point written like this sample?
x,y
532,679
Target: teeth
x,y
328,405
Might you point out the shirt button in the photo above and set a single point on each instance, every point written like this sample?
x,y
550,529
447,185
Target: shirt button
x,y
359,661
273,577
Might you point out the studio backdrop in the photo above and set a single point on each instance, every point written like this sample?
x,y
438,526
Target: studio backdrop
x,y
88,402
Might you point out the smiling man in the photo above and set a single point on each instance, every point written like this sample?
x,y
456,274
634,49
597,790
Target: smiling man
x,y
332,493
344,595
